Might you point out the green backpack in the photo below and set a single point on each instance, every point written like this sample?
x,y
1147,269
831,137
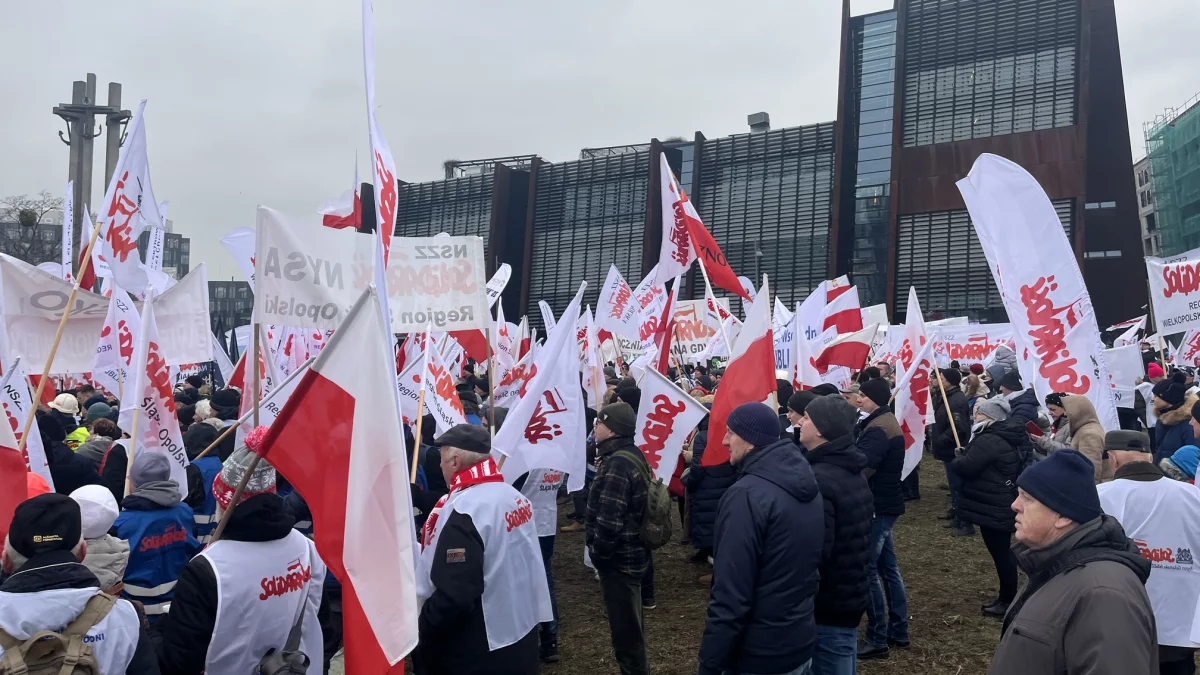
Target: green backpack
x,y
655,531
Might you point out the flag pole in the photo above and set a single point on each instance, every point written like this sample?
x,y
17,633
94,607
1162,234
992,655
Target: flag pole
x,y
242,420
421,404
949,415
1162,357
137,413
62,324
237,495
254,355
491,381
708,288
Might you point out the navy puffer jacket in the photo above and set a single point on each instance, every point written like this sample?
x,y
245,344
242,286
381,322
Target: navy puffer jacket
x,y
706,486
1024,407
765,567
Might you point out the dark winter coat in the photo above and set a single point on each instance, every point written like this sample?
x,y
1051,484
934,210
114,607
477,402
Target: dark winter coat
x,y
1173,431
880,438
942,443
615,508
1024,407
112,473
846,550
1091,614
453,633
765,566
187,629
989,470
69,471
706,486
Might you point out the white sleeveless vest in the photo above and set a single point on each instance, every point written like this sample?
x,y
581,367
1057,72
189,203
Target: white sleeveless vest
x,y
541,487
259,588
515,595
113,640
1162,518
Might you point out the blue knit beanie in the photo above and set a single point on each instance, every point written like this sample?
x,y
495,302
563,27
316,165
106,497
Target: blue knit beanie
x,y
757,424
1187,458
1065,483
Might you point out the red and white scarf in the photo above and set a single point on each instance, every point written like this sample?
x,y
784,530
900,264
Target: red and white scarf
x,y
483,472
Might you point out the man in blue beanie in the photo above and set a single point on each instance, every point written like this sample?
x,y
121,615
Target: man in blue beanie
x,y
766,554
1084,608
1165,514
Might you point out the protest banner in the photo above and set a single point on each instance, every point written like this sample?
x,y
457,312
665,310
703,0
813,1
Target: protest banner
x,y
692,334
665,418
1058,342
1174,295
1125,368
439,281
970,344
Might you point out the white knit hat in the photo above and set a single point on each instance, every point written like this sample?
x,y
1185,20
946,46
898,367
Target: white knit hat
x,y
97,510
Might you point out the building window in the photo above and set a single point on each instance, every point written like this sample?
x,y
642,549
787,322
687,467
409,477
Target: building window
x,y
458,207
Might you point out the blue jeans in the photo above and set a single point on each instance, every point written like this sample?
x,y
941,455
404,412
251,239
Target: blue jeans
x,y
885,618
804,669
837,651
549,629
955,484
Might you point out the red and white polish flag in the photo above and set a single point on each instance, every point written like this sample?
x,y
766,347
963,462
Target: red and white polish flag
x,y
14,469
850,350
149,396
750,376
17,402
545,428
915,359
356,484
804,373
346,210
843,312
665,418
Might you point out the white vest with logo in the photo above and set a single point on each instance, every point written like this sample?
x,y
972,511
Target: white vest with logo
x,y
541,487
260,586
113,640
1162,517
515,595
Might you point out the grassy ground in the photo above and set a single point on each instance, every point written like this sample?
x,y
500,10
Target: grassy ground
x,y
947,580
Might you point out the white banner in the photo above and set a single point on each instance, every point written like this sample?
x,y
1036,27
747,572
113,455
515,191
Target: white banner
x,y
153,401
1175,293
441,397
240,245
970,344
692,334
512,386
68,234
17,402
1059,346
34,302
438,280
616,310
1125,367
666,416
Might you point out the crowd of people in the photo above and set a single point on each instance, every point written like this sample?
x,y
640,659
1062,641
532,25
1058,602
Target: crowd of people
x,y
122,566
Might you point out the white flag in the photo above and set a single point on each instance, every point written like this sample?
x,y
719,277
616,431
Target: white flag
x,y
152,400
676,251
118,340
1125,366
914,361
240,244
441,396
545,428
68,233
17,403
387,196
547,315
495,285
617,311
666,416
1130,336
129,207
589,360
1059,346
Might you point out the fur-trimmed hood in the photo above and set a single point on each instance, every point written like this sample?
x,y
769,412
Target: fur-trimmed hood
x,y
1181,414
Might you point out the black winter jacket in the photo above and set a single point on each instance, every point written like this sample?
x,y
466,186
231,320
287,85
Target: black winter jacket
x,y
845,553
706,486
942,442
1024,407
188,628
453,634
765,566
69,471
989,470
880,438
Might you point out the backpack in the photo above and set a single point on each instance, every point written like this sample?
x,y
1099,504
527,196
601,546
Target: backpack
x,y
288,660
655,530
51,653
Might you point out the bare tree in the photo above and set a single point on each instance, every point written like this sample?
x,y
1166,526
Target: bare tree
x,y
29,212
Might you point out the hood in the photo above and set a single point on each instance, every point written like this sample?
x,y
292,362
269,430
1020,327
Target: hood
x,y
995,372
94,451
157,494
107,558
1100,539
841,453
1179,415
260,518
783,464
197,438
1027,396
1080,411
1012,431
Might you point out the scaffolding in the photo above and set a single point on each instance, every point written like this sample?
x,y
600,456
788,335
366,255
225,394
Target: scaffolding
x,y
1173,148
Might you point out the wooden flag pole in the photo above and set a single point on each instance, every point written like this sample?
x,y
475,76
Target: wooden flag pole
x,y
491,382
949,415
255,358
129,452
421,406
237,495
62,324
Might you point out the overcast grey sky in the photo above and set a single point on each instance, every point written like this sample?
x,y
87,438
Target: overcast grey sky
x,y
262,102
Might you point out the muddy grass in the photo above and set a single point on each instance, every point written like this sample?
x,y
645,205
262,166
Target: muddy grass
x,y
947,580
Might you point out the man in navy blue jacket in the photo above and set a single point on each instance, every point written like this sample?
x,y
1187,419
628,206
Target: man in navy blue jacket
x,y
766,554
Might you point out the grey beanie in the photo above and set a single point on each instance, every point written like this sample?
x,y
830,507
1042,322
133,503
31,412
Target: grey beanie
x,y
995,408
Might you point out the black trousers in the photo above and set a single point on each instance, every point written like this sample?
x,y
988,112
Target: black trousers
x,y
329,616
1176,660
998,545
623,601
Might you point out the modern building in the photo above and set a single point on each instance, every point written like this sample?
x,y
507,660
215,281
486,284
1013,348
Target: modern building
x,y
230,304
924,89
34,244
177,251
1145,199
1173,147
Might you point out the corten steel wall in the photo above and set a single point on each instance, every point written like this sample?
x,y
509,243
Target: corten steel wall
x,y
1035,81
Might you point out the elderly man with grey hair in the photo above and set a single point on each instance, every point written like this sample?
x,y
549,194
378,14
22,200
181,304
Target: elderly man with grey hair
x,y
480,579
50,588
